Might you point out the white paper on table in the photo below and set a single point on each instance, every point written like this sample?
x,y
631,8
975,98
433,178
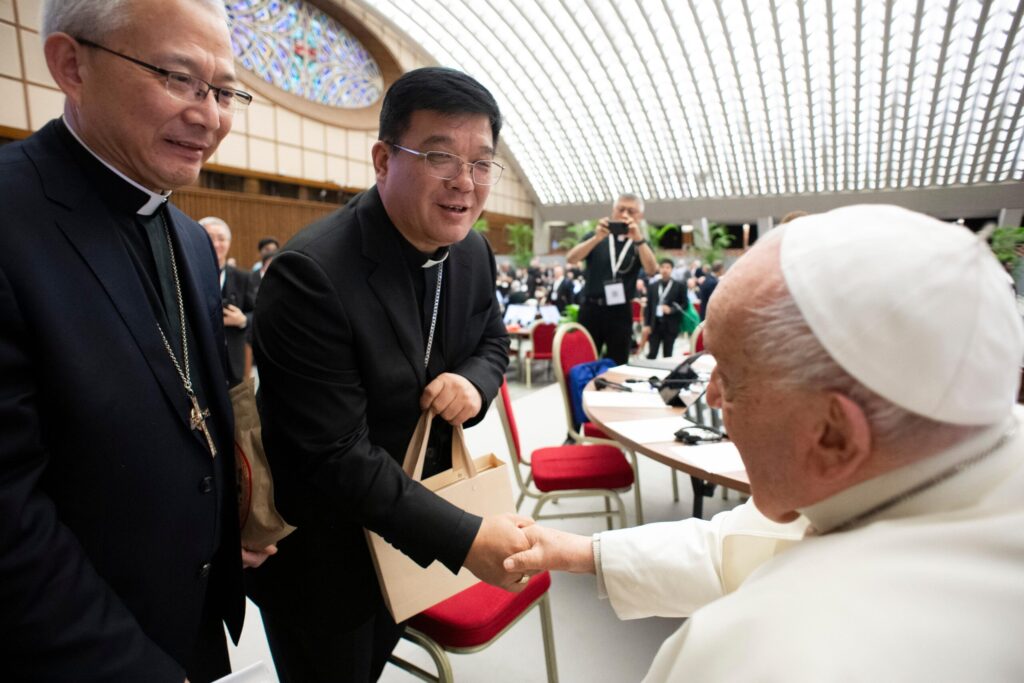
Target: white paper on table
x,y
254,673
653,430
717,458
634,371
623,399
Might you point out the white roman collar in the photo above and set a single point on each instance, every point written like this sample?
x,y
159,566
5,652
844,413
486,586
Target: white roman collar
x,y
155,199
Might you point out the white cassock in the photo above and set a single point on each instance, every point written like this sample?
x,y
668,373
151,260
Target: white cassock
x,y
931,589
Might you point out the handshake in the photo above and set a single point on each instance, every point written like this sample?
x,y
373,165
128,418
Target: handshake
x,y
509,549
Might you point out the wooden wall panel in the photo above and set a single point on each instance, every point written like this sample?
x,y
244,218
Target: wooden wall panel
x,y
251,217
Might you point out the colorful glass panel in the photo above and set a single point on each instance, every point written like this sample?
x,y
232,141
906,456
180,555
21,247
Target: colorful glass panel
x,y
303,51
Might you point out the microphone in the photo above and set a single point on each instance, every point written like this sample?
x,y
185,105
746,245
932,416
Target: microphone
x,y
602,383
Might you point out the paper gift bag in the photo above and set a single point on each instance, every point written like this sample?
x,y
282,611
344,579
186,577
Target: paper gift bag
x,y
258,518
478,485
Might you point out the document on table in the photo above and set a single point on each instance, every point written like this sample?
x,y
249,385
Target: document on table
x,y
623,399
634,371
716,458
254,673
654,430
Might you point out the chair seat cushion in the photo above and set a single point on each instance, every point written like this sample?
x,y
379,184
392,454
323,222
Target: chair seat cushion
x,y
578,466
591,429
478,614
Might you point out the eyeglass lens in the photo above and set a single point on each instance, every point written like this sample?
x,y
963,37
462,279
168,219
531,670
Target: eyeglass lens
x,y
447,166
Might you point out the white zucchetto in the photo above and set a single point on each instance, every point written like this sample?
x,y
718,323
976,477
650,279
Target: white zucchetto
x,y
918,310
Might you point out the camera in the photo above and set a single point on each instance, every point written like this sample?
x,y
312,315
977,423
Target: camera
x,y
618,228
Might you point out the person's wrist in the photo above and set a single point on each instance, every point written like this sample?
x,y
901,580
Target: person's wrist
x,y
640,242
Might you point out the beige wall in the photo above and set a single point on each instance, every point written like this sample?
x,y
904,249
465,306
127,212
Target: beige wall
x,y
269,138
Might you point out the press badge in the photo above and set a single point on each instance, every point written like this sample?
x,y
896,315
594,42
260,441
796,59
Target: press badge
x,y
614,293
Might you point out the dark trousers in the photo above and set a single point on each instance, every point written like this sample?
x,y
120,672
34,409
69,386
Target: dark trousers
x,y
611,327
304,653
663,333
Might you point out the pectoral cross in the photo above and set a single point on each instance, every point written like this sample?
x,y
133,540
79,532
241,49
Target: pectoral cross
x,y
198,421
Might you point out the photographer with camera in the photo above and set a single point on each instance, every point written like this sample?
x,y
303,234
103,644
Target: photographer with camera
x,y
613,254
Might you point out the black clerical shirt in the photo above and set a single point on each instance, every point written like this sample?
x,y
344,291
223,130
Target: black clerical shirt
x,y
424,284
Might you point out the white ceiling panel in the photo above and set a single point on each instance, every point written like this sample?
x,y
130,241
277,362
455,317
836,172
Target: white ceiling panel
x,y
686,99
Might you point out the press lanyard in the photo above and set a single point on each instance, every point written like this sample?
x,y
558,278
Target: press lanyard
x,y
617,263
665,287
433,318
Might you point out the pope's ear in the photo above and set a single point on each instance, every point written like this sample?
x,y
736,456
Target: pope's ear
x,y
843,444
381,155
64,60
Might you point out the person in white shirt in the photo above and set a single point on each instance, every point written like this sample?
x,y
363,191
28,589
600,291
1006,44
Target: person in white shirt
x,y
885,536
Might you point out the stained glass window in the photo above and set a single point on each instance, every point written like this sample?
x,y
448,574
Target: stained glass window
x,y
303,51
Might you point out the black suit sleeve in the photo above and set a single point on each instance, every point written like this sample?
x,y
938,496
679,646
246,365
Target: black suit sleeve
x,y
486,367
314,409
59,619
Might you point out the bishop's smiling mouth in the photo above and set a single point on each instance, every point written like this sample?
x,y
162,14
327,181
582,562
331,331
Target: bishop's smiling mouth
x,y
454,208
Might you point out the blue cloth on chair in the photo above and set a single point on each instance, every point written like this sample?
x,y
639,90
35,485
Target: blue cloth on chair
x,y
579,376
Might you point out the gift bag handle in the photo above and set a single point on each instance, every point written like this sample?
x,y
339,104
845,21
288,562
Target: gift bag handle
x,y
415,454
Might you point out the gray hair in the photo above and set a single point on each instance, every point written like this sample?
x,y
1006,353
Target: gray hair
x,y
632,196
94,19
213,220
780,340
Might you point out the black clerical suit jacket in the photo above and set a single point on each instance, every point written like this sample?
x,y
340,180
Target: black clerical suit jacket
x,y
238,290
675,298
339,343
110,505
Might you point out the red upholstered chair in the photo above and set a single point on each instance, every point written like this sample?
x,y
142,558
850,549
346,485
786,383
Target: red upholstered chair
x,y
698,339
473,619
542,336
573,345
569,471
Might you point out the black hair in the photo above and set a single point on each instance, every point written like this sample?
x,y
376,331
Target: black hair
x,y
437,89
668,261
265,241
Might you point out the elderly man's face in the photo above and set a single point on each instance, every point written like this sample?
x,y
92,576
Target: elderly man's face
x,y
124,112
431,212
221,238
767,422
627,208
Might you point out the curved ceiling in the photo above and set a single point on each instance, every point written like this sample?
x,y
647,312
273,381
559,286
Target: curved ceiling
x,y
679,99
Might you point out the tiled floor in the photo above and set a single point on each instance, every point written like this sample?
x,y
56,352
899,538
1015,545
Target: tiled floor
x,y
592,644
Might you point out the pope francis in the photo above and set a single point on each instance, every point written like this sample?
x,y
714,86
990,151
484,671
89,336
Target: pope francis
x,y
868,365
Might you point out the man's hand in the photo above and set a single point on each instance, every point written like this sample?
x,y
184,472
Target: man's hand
x,y
601,231
254,558
453,397
499,536
551,549
666,309
233,316
635,233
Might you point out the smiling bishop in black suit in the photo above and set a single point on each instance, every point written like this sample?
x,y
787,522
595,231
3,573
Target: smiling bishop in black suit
x,y
369,316
119,543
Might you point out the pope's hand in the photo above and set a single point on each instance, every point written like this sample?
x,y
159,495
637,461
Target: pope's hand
x,y
551,549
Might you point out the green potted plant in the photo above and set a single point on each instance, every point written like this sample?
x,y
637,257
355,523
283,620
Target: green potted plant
x,y
520,237
714,249
576,233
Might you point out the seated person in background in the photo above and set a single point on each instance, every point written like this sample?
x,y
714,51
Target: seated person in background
x,y
884,537
561,289
516,294
666,303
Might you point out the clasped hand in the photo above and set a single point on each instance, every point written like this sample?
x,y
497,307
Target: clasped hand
x,y
453,397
